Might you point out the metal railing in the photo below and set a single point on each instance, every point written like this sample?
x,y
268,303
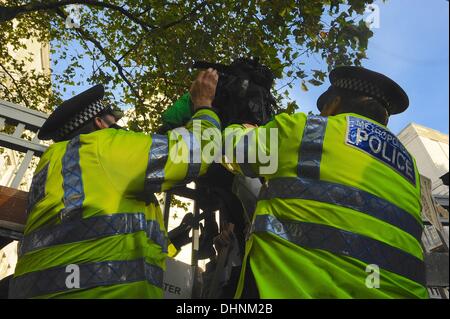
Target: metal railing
x,y
21,118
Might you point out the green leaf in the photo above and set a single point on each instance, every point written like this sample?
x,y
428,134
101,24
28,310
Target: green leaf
x,y
304,87
315,82
291,107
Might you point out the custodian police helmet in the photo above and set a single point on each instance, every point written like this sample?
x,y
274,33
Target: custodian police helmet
x,y
369,83
74,113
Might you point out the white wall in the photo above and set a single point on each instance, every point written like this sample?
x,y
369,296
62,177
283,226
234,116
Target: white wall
x,y
431,151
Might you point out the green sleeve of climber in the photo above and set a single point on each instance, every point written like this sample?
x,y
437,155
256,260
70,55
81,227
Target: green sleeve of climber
x,y
179,113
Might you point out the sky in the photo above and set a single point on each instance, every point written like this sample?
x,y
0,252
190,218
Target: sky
x,y
411,46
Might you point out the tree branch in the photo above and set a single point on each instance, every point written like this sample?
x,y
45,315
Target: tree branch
x,y
85,35
107,55
134,47
9,13
199,6
19,91
8,91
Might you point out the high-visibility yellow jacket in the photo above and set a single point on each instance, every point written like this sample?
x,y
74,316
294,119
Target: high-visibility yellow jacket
x,y
95,229
339,217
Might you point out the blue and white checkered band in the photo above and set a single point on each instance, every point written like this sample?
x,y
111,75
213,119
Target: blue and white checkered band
x,y
363,87
83,117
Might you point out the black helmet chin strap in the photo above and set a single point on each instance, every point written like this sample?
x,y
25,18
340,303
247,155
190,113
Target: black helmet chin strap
x,y
116,126
111,125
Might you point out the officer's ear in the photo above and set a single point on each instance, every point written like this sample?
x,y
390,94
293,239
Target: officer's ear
x,y
332,107
99,123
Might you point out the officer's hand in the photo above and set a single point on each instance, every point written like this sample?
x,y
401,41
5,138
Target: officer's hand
x,y
203,89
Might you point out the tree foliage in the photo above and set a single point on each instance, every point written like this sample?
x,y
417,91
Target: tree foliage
x,y
143,50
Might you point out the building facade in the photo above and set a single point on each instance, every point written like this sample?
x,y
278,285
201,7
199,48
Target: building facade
x,y
35,56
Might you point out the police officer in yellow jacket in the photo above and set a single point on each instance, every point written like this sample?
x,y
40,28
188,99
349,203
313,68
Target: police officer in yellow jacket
x,y
94,228
340,217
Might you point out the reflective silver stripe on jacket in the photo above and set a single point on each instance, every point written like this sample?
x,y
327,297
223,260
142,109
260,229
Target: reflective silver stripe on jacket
x,y
96,227
72,181
195,154
157,158
344,196
310,152
207,118
91,275
344,243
